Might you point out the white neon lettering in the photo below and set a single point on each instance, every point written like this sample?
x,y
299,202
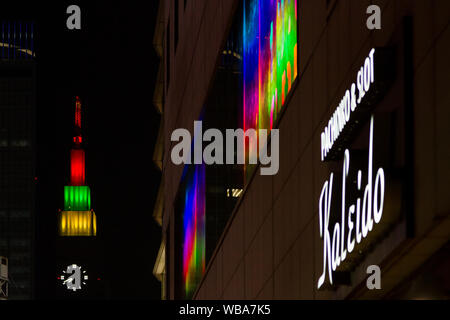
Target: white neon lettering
x,y
378,208
353,95
372,66
367,76
350,240
347,108
358,211
322,145
335,248
345,168
324,215
360,84
335,259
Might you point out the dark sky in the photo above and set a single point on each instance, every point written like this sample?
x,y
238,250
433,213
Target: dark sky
x,y
112,66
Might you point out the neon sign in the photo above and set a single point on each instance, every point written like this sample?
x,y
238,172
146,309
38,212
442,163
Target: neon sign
x,y
337,243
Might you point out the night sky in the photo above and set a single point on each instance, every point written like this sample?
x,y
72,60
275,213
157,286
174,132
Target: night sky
x,y
112,66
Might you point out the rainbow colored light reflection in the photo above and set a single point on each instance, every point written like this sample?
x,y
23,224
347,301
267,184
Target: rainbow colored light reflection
x,y
269,59
194,230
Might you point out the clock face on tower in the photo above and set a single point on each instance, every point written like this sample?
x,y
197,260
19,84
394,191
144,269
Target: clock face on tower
x,y
74,277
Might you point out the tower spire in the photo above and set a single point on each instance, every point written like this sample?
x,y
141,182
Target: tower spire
x,y
77,137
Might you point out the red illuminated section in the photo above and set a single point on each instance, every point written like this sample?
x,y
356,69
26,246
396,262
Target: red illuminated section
x,y
77,167
77,157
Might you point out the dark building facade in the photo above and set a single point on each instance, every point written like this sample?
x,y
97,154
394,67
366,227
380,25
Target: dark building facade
x,y
363,155
17,156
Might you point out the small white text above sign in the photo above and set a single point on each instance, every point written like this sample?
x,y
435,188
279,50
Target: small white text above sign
x,y
349,103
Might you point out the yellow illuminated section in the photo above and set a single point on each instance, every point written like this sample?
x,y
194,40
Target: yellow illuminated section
x,y
77,223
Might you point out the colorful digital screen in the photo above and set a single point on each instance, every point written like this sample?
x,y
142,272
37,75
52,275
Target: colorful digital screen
x,y
269,60
193,229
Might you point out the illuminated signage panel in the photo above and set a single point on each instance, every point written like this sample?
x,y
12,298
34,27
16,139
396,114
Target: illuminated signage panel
x,y
348,220
193,216
269,60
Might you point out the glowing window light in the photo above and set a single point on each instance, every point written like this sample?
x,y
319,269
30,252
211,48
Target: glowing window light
x,y
194,230
270,59
234,193
77,198
77,223
77,167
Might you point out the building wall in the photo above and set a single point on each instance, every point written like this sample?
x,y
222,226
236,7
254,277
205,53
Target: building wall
x,y
202,30
271,247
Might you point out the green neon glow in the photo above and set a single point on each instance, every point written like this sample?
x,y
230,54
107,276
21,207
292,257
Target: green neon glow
x,y
77,198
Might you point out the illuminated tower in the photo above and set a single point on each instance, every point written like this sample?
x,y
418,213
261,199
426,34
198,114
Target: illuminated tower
x,y
77,218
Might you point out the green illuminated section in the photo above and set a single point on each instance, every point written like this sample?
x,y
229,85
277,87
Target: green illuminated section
x,y
77,198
